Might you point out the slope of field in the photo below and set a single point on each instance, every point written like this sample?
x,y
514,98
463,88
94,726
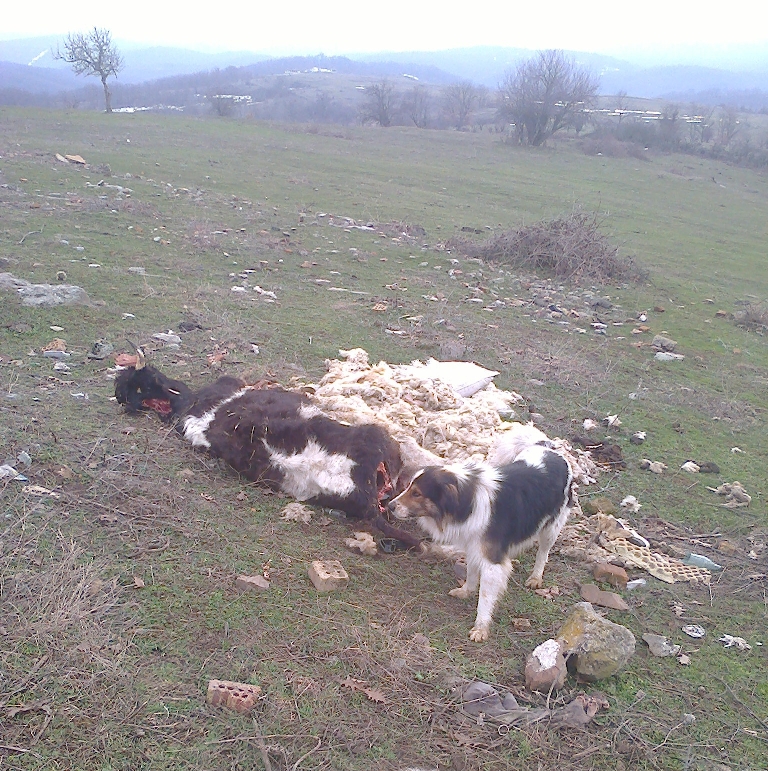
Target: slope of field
x,y
118,592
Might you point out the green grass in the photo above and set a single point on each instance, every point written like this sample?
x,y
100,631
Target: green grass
x,y
112,675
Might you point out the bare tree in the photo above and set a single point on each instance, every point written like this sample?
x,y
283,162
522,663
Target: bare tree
x,y
545,94
379,106
459,101
727,124
416,106
92,53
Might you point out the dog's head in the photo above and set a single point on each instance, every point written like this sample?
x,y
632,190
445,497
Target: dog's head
x,y
434,493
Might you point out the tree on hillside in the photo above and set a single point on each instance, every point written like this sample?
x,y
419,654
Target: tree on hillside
x,y
544,94
416,106
92,53
459,101
379,106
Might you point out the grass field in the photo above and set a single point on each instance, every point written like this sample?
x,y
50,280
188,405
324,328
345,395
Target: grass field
x,y
118,597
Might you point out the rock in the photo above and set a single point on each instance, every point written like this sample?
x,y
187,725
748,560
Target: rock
x,y
259,583
101,349
328,575
664,343
592,594
600,505
545,669
33,295
611,574
660,645
598,648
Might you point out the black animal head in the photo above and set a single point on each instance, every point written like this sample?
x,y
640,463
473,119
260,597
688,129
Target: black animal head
x,y
144,388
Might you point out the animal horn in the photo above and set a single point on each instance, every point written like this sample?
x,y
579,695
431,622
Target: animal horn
x,y
141,360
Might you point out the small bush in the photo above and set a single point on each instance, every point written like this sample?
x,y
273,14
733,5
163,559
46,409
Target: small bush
x,y
571,248
753,316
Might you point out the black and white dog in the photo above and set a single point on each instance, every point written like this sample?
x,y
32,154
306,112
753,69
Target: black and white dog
x,y
493,511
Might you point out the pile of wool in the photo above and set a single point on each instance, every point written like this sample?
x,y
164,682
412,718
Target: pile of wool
x,y
412,406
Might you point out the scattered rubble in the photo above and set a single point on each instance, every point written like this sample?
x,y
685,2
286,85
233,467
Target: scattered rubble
x,y
660,645
735,495
596,596
545,669
611,574
328,575
258,583
240,697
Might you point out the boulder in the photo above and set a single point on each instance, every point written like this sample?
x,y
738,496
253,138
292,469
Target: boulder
x,y
596,648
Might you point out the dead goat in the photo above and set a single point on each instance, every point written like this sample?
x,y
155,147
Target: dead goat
x,y
279,439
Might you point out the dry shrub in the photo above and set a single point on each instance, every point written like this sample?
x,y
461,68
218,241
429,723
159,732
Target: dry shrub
x,y
568,248
753,316
608,146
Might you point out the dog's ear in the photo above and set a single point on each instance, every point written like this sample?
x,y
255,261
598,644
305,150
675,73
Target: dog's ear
x,y
449,499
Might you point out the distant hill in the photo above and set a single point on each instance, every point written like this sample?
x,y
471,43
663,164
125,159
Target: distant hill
x,y
28,66
37,80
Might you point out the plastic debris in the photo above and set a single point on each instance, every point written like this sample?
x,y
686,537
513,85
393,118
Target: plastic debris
x,y
636,583
24,458
630,504
653,465
729,641
668,356
167,337
6,470
694,630
700,561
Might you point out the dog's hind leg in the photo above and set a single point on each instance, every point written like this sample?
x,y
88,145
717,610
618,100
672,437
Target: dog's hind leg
x,y
547,537
493,583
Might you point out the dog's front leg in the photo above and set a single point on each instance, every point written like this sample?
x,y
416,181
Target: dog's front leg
x,y
469,587
493,583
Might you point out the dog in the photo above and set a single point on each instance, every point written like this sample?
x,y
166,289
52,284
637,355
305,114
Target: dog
x,y
493,511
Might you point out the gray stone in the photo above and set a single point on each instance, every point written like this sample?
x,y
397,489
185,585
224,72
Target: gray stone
x,y
664,343
34,295
660,645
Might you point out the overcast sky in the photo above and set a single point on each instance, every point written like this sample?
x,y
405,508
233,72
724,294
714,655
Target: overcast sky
x,y
352,26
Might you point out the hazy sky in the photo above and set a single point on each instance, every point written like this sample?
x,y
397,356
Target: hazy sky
x,y
347,26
